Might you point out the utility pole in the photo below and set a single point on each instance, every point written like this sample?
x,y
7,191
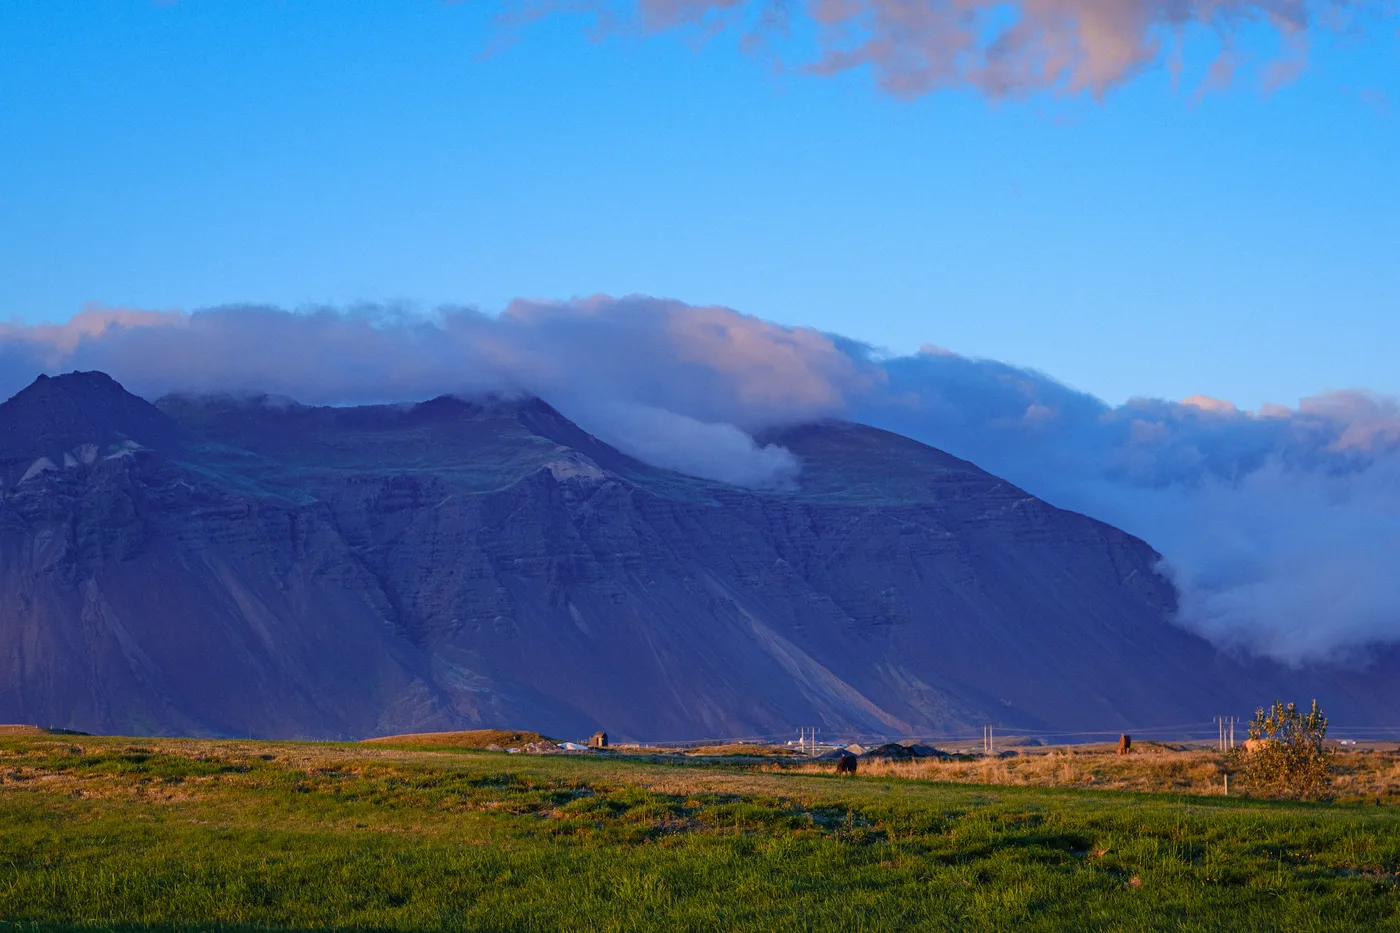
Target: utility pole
x,y
988,739
1225,732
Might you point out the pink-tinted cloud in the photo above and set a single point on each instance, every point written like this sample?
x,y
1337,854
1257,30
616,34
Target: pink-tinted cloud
x,y
1370,422
1206,403
56,340
1001,48
711,361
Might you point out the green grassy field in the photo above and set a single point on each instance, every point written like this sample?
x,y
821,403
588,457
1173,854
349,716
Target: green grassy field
x,y
167,834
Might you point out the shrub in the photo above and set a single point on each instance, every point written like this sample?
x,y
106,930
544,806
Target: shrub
x,y
1286,756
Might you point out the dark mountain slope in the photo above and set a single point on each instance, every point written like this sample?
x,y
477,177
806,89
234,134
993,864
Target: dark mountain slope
x,y
77,417
261,566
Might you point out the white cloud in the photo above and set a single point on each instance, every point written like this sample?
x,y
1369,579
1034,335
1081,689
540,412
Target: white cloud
x,y
1282,527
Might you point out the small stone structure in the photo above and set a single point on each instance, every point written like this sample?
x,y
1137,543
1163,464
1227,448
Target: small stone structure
x,y
846,764
1125,744
598,740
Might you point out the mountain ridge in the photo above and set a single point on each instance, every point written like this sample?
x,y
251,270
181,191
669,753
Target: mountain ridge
x,y
270,568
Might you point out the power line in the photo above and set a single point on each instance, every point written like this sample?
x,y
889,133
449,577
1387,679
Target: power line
x,y
1220,729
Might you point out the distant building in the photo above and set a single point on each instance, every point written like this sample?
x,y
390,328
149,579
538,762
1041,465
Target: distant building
x,y
598,740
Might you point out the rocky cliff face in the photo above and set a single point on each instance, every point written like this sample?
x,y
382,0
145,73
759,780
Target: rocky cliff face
x,y
259,567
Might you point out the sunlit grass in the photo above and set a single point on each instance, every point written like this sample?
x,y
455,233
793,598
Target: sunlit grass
x,y
168,834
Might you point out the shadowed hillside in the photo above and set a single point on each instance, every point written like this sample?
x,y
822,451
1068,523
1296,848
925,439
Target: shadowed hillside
x,y
218,566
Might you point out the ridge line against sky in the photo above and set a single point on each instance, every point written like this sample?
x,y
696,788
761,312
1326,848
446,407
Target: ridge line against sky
x,y
1279,527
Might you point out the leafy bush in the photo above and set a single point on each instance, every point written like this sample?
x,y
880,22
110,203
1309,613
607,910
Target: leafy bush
x,y
1285,756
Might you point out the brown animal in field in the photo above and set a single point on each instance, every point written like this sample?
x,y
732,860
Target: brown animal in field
x,y
1125,744
846,764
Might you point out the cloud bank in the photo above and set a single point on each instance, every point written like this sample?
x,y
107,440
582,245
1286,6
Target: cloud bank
x,y
1000,48
1281,527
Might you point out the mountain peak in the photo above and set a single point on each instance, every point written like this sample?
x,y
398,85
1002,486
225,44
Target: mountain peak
x,y
80,378
87,385
56,414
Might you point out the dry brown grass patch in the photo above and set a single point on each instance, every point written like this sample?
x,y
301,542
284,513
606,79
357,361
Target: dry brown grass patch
x,y
1162,769
1182,772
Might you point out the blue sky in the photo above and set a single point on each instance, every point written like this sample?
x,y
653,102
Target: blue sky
x,y
1243,243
